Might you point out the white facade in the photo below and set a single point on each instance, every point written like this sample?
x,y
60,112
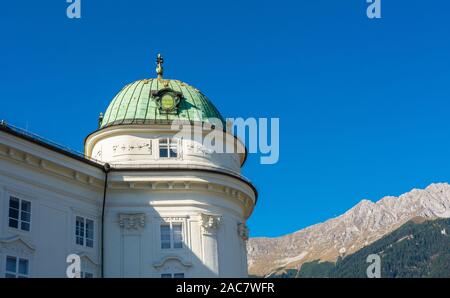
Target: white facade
x,y
164,216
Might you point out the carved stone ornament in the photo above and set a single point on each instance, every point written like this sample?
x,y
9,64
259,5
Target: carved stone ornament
x,y
210,223
167,100
143,148
16,245
243,231
132,221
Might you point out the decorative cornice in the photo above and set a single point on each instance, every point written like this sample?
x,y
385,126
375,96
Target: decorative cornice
x,y
181,185
61,170
29,137
173,218
31,160
169,258
84,255
17,238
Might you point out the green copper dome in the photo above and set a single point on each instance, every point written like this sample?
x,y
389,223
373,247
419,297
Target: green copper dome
x,y
148,101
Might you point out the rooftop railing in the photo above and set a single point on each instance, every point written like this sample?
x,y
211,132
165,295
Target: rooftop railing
x,y
45,142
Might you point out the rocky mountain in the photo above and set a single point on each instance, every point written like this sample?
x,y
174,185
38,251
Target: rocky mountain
x,y
358,227
417,249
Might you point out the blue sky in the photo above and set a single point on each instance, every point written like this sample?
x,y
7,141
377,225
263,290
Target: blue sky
x,y
363,104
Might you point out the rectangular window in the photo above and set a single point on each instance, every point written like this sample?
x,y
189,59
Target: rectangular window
x,y
89,233
16,267
168,148
177,236
165,236
84,232
11,267
19,214
166,275
79,230
171,235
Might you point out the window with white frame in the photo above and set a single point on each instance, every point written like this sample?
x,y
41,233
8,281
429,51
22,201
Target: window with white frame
x,y
16,267
84,231
168,148
19,214
172,275
171,235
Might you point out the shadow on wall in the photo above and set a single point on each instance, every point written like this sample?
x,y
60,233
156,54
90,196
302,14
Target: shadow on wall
x,y
180,241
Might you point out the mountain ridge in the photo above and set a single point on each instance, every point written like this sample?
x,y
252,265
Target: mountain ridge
x,y
358,227
418,249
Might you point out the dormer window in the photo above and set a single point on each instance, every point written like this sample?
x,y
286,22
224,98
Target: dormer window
x,y
168,148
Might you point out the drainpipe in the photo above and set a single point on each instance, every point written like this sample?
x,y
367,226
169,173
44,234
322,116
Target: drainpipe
x,y
106,169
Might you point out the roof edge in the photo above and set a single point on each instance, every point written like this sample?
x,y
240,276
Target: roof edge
x,y
27,136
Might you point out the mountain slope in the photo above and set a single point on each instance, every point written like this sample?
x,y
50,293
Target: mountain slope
x,y
358,227
414,250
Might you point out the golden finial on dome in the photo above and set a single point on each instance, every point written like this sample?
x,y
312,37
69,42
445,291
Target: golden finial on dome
x,y
159,67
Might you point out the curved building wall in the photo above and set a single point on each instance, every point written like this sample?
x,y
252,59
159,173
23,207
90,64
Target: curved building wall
x,y
140,146
212,245
205,210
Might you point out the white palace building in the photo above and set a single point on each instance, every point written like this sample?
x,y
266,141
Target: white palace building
x,y
140,201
